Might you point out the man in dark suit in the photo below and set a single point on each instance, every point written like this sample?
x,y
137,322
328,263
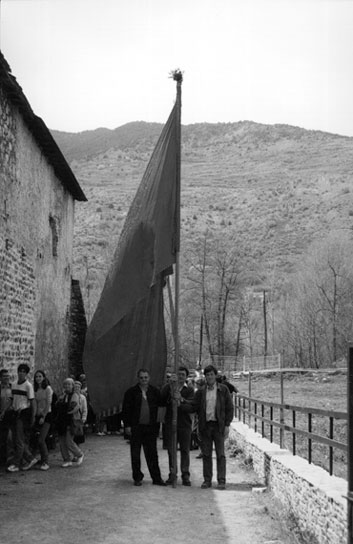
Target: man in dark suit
x,y
215,410
140,407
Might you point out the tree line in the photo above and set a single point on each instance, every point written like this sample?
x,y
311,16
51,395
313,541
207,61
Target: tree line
x,y
232,306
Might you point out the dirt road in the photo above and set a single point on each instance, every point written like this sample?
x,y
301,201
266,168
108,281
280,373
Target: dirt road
x,y
96,503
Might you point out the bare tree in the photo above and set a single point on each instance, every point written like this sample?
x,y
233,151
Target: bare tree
x,y
319,306
214,271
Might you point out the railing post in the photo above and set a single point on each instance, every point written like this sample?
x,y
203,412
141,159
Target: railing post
x,y
294,437
271,427
331,448
309,440
350,443
262,421
255,417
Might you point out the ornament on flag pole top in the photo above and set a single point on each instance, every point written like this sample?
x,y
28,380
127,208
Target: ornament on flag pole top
x,y
177,75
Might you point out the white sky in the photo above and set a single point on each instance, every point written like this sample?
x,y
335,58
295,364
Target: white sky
x,y
85,64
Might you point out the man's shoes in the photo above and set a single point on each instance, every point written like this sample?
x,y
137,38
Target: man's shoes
x,y
79,460
44,466
170,481
159,482
186,482
137,482
67,464
199,456
12,468
30,464
206,485
221,486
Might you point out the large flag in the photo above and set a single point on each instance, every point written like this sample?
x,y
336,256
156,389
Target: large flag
x,y
127,330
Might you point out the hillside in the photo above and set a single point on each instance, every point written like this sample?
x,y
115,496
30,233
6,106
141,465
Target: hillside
x,y
275,187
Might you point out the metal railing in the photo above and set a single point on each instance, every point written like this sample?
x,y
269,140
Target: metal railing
x,y
265,417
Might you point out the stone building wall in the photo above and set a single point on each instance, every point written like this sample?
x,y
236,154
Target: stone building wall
x,y
307,492
36,228
78,328
17,303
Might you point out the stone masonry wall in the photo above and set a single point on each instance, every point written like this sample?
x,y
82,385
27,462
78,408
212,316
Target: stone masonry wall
x,y
78,328
17,303
36,217
307,492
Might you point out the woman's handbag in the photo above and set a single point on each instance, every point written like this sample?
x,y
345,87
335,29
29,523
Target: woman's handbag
x,y
76,428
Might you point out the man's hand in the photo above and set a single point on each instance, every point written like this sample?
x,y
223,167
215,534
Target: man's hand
x,y
226,432
127,430
176,395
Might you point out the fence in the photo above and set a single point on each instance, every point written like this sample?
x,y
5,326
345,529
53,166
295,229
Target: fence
x,y
230,364
263,362
273,416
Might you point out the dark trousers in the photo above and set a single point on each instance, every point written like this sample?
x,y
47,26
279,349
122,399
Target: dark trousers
x,y
145,436
183,439
5,426
210,435
114,423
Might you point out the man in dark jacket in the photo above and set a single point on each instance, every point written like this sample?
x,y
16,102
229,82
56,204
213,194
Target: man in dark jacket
x,y
140,407
215,410
185,393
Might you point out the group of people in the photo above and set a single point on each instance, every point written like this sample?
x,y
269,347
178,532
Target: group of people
x,y
213,405
29,412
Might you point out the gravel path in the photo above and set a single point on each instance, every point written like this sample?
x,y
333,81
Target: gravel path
x,y
96,503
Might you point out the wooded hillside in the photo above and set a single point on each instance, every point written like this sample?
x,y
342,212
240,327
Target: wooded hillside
x,y
256,199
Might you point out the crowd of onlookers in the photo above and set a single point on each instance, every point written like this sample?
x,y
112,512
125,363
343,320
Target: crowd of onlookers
x,y
33,418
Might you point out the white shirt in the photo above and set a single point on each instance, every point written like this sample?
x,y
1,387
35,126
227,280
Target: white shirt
x,y
22,393
211,398
83,407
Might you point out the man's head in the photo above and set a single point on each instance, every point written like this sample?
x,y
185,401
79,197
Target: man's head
x,y
210,373
183,373
22,371
143,377
4,376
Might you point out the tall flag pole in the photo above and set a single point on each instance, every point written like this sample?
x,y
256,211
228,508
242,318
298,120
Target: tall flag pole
x,y
178,77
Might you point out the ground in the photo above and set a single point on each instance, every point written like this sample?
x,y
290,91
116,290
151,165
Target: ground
x,y
96,503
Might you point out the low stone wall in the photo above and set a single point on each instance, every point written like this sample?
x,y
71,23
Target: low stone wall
x,y
307,492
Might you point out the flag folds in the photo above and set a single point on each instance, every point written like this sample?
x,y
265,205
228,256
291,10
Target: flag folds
x,y
127,330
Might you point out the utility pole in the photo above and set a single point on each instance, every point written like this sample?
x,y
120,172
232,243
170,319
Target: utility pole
x,y
350,445
265,325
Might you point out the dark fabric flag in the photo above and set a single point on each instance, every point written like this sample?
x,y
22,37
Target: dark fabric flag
x,y
127,330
